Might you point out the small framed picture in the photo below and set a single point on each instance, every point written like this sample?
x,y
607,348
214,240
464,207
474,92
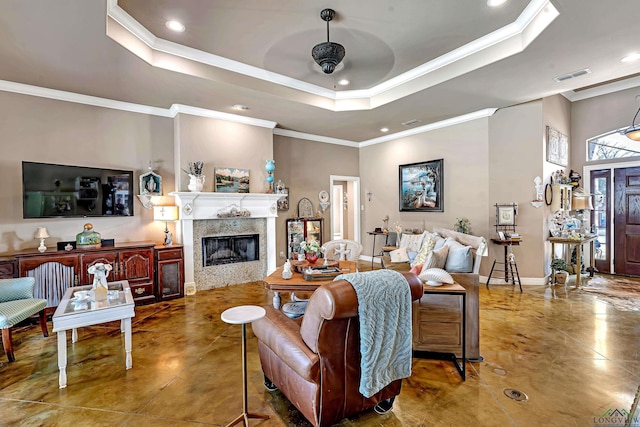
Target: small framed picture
x,y
501,235
283,203
505,215
151,183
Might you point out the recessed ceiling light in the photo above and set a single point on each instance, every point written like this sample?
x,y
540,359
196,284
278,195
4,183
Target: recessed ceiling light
x,y
174,25
240,107
344,82
495,3
631,58
384,129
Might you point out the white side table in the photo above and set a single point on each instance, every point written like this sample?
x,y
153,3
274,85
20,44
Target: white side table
x,y
242,315
73,313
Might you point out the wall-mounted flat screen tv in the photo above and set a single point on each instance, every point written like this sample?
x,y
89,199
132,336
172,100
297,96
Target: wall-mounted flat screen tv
x,y
60,191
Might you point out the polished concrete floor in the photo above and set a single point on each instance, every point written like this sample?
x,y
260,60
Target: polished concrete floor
x,y
574,356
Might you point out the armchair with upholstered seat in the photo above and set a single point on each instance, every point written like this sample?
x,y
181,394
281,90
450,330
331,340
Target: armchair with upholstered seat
x,y
17,304
316,363
342,249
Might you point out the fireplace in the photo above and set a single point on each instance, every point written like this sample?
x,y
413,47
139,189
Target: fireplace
x,y
199,218
220,250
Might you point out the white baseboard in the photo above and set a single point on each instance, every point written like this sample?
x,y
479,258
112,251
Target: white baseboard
x,y
529,281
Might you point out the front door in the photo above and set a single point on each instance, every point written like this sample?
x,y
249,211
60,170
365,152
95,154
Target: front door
x,y
627,221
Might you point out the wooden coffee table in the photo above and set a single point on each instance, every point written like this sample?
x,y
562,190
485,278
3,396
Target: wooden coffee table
x,y
275,283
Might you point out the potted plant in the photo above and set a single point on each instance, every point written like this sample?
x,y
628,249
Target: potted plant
x,y
560,268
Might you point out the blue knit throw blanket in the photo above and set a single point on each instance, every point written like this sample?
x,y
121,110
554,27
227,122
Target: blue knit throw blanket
x,y
384,308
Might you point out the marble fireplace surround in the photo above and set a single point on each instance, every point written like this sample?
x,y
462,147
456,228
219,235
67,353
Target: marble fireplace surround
x,y
199,218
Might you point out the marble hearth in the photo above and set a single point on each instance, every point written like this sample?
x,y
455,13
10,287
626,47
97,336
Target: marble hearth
x,y
199,218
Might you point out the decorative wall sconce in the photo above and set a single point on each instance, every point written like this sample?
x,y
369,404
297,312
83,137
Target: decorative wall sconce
x,y
369,194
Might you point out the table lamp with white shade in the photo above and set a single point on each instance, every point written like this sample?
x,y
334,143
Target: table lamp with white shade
x,y
166,214
580,203
41,234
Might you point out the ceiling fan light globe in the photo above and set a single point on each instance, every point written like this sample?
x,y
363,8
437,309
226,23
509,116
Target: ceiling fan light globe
x,y
633,132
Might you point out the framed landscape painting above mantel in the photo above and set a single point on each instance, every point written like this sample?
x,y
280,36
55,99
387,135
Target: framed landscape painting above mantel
x,y
421,186
231,180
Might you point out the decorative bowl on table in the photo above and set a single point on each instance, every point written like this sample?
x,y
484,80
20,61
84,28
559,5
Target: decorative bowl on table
x,y
435,277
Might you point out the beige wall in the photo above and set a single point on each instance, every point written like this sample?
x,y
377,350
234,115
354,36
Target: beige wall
x,y
596,116
223,144
516,158
465,150
50,131
305,166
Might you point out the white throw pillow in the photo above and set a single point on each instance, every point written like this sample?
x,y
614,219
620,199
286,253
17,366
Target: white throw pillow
x,y
399,255
412,242
435,277
427,246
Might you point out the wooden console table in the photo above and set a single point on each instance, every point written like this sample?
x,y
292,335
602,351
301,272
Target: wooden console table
x,y
578,242
454,289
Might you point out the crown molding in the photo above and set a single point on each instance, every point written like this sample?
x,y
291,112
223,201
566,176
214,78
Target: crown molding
x,y
317,138
618,86
175,109
502,43
212,114
487,112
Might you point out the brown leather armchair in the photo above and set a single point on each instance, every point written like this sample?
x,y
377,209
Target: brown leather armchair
x,y
316,362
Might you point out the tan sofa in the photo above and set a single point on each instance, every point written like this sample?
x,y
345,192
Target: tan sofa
x,y
437,321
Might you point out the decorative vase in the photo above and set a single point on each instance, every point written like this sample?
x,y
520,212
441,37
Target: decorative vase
x,y
311,257
196,182
270,167
88,238
561,277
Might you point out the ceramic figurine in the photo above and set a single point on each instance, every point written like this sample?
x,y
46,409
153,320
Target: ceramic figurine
x,y
286,271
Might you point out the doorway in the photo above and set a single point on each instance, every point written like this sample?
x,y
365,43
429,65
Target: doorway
x,y
345,212
616,216
627,221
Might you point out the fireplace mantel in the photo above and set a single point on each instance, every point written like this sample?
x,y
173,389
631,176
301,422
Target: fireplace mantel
x,y
196,206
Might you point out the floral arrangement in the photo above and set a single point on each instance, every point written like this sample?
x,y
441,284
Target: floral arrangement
x,y
311,247
559,265
385,220
195,168
462,225
100,268
397,227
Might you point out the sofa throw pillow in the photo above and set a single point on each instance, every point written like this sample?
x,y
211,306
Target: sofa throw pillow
x,y
416,270
437,258
435,276
440,241
399,255
426,248
412,242
459,259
